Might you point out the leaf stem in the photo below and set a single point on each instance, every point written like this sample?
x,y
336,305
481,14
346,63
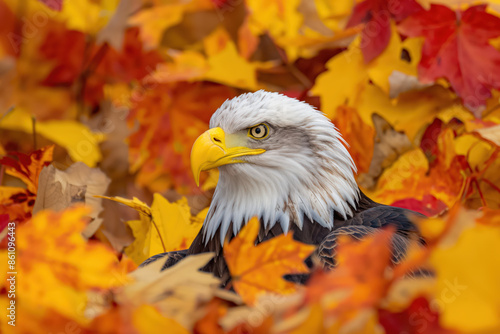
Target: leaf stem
x,y
159,234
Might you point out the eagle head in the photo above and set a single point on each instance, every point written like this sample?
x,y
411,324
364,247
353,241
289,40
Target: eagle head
x,y
279,159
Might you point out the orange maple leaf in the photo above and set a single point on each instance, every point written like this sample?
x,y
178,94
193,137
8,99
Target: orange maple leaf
x,y
350,125
259,269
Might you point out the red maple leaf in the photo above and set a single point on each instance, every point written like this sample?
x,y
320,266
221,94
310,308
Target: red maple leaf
x,y
430,137
376,15
67,50
456,48
417,318
429,205
132,62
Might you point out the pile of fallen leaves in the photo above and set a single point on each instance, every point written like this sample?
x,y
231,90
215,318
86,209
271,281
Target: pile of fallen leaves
x,y
106,97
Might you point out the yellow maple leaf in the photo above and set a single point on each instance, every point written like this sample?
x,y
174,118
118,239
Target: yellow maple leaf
x,y
256,270
348,75
186,66
222,63
468,273
163,227
81,143
88,15
155,20
412,110
226,65
281,19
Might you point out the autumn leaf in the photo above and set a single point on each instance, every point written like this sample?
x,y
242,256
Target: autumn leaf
x,y
225,60
360,278
87,15
428,205
79,183
142,319
388,145
444,179
377,15
490,133
349,76
57,263
220,318
81,143
280,19
148,319
483,159
422,315
349,124
106,64
28,167
164,227
154,21
171,117
454,40
186,66
259,269
470,287
177,292
15,201
222,63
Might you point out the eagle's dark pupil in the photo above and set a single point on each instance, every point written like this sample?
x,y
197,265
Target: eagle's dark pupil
x,y
257,131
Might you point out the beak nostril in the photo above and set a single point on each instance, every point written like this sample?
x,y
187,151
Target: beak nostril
x,y
217,140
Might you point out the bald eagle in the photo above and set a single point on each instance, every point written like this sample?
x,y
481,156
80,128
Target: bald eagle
x,y
284,162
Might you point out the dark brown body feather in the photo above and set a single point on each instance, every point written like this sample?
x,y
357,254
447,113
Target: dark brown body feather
x,y
368,217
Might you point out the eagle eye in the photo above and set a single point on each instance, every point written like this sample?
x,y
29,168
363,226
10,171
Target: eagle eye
x,y
259,131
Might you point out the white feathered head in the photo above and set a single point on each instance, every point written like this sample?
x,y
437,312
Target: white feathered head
x,y
279,159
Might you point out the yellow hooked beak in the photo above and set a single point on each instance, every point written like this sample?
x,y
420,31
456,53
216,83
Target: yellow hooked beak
x,y
210,151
